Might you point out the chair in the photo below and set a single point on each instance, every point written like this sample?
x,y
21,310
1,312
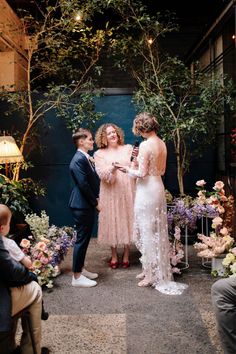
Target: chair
x,y
25,315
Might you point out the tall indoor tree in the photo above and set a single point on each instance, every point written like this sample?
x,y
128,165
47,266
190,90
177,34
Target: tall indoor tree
x,y
188,103
64,45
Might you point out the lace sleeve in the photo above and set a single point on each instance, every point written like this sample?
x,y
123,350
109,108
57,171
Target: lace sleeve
x,y
143,162
104,169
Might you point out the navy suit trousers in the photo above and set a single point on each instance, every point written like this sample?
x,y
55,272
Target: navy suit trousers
x,y
84,219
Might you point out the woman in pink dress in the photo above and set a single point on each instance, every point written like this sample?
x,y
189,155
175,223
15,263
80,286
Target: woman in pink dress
x,y
116,192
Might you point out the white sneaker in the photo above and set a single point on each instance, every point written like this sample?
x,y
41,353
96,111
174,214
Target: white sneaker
x,y
83,282
89,275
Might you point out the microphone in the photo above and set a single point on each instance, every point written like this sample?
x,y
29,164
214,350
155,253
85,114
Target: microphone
x,y
135,146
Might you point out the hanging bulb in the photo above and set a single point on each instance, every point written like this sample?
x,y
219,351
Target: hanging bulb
x,y
78,16
150,41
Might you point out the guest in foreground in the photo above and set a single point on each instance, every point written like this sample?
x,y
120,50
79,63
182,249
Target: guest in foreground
x,y
150,214
223,293
116,192
18,255
18,291
83,204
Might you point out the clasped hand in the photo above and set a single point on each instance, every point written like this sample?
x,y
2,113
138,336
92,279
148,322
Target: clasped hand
x,y
120,167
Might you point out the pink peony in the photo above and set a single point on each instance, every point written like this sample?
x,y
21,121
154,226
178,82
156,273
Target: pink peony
x,y
25,243
200,183
218,185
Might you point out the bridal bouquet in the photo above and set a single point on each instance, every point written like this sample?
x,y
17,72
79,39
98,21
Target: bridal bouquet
x,y
47,246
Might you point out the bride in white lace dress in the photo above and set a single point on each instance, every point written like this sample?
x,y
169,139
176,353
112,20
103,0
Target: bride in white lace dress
x,y
150,225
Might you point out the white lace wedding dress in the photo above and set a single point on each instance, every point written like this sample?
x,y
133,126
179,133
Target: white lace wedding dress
x,y
150,223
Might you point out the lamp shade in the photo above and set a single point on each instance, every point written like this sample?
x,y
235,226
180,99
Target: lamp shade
x,y
9,151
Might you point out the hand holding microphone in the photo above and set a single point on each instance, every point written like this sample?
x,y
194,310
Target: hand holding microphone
x,y
135,150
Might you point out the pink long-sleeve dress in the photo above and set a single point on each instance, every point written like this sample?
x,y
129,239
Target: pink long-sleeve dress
x,y
116,197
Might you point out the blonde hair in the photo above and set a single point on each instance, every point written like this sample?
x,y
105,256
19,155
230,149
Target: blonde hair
x,y
144,123
5,214
101,135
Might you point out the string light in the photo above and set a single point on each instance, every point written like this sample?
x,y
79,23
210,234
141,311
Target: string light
x,y
233,36
150,41
78,16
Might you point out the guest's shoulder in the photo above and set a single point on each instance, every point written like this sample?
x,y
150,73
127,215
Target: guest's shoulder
x,y
8,242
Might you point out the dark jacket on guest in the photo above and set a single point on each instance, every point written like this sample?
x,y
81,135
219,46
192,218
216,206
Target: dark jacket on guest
x,y
12,274
86,183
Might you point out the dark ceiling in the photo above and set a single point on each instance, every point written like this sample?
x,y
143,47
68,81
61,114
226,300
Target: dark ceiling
x,y
193,17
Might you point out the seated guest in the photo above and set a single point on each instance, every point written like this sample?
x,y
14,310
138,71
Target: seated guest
x,y
18,291
223,293
15,252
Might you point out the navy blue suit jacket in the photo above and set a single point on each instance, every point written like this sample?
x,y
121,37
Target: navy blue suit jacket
x,y
86,183
12,274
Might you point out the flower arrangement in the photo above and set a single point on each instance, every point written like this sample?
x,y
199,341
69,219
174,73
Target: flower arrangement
x,y
229,263
176,251
181,214
219,241
47,246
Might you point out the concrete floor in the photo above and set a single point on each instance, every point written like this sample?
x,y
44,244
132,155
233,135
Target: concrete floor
x,y
118,317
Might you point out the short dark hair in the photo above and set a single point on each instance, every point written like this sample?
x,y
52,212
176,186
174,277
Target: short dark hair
x,y
81,133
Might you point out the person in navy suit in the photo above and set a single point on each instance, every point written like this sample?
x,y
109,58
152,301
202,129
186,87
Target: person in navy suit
x,y
83,204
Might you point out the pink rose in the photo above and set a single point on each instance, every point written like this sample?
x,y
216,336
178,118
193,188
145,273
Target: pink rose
x,y
233,250
41,246
213,200
223,198
44,260
25,243
224,231
220,209
217,221
200,183
218,185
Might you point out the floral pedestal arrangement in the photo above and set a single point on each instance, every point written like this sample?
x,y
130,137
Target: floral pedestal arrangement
x,y
218,245
217,267
46,247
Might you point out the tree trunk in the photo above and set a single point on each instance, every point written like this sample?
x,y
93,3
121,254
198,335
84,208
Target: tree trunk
x,y
180,172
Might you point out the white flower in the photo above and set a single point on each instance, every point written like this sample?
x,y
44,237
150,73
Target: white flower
x,y
233,268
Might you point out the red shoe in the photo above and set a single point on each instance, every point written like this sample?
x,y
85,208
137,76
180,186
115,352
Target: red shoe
x,y
125,264
113,265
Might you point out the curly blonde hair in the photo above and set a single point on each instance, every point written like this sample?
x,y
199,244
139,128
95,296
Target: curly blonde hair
x,y
101,135
144,123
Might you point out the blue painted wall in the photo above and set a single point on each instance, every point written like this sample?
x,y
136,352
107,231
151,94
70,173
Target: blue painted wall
x,y
51,164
